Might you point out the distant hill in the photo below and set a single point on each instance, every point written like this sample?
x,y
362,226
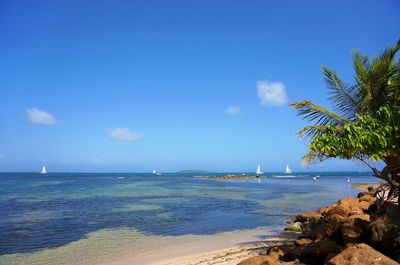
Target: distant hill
x,y
193,171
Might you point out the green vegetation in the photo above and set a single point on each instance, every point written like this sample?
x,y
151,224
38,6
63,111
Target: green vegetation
x,y
365,121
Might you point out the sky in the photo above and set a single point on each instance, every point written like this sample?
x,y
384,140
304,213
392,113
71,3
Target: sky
x,y
128,86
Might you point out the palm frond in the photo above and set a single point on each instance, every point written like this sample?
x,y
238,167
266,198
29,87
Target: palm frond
x,y
344,97
311,130
322,116
372,79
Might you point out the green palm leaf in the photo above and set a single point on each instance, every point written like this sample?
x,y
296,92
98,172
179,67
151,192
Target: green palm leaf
x,y
322,117
343,96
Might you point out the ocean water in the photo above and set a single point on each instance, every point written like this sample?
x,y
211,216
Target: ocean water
x,y
65,216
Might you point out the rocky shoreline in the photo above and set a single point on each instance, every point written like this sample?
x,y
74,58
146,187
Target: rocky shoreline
x,y
352,231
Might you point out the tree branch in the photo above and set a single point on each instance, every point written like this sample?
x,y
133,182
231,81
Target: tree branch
x,y
377,173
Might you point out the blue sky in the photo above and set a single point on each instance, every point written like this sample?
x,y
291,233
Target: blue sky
x,y
135,85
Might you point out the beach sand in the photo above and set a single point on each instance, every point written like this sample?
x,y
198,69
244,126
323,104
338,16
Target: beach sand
x,y
220,250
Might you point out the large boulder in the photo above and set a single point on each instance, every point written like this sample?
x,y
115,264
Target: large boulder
x,y
360,254
367,198
326,209
275,253
351,234
259,260
384,234
324,230
316,252
354,203
337,218
348,200
303,241
360,218
342,210
308,216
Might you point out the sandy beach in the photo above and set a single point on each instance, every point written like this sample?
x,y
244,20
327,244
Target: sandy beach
x,y
205,252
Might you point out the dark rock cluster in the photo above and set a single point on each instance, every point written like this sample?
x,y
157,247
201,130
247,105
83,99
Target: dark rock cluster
x,y
350,232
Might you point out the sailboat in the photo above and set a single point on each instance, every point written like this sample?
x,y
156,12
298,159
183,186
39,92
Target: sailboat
x,y
288,170
44,171
258,171
156,173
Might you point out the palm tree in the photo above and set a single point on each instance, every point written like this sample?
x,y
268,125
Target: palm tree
x,y
376,84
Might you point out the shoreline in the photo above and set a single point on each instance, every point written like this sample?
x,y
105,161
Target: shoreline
x,y
205,253
365,186
225,248
123,246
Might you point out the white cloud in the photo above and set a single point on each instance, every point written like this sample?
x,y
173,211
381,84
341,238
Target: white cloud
x,y
271,93
232,110
40,117
124,134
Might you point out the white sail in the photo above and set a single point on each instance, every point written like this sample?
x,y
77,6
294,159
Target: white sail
x,y
258,171
156,173
288,170
43,170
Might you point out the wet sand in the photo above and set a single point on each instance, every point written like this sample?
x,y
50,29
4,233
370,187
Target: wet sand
x,y
214,249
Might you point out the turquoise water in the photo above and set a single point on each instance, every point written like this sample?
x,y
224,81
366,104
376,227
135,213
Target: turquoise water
x,y
40,212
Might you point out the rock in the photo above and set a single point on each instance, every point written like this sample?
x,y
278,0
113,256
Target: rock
x,y
308,216
337,218
364,205
355,211
367,198
324,210
360,254
324,229
339,210
361,194
315,252
295,227
275,253
303,242
351,234
384,233
362,217
348,200
259,260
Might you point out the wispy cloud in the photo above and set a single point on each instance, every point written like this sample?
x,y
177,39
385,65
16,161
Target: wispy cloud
x,y
232,110
271,93
38,116
124,134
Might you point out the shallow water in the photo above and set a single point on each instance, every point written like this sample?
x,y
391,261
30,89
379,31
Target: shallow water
x,y
53,213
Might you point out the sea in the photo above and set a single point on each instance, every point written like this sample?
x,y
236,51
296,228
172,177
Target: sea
x,y
91,218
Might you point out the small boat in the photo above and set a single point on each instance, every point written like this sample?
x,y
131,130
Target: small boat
x,y
156,173
288,170
44,171
258,171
